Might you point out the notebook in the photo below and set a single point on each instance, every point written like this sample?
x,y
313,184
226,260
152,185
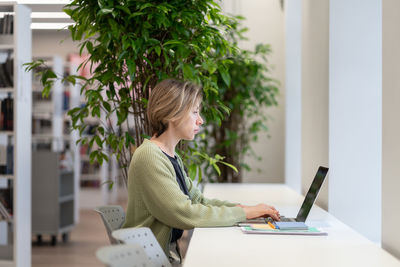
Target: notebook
x,y
290,226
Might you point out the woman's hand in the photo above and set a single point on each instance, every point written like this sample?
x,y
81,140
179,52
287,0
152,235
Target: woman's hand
x,y
260,210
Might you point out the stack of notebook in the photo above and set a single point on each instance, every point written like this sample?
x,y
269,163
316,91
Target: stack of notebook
x,y
281,228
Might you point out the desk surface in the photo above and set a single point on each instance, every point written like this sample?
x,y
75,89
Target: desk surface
x,y
228,246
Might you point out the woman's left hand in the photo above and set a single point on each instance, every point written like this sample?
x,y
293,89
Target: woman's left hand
x,y
261,210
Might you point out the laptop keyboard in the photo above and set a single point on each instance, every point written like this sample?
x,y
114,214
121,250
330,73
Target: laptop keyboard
x,y
283,219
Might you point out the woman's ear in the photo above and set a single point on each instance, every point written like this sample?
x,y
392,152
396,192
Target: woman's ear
x,y
175,122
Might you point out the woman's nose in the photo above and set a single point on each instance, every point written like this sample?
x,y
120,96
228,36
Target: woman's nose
x,y
199,120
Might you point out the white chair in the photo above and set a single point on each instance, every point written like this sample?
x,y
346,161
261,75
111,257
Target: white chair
x,y
144,237
131,255
113,217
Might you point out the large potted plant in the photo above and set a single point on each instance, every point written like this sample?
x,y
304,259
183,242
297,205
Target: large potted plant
x,y
132,45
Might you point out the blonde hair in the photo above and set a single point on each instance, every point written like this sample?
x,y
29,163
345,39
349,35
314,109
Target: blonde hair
x,y
171,100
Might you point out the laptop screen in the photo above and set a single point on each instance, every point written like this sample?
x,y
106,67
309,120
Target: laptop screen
x,y
312,194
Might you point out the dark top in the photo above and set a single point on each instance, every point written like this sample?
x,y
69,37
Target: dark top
x,y
177,233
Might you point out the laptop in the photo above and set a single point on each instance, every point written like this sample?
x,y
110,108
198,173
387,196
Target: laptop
x,y
307,203
310,197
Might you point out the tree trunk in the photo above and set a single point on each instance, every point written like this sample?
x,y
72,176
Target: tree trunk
x,y
231,152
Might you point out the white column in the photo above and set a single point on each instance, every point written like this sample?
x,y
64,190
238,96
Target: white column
x,y
104,168
114,169
391,127
315,94
75,148
293,95
355,114
57,96
22,138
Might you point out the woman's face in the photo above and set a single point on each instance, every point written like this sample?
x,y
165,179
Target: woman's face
x,y
190,124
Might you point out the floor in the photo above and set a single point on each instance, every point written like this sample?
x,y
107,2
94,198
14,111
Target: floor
x,y
80,250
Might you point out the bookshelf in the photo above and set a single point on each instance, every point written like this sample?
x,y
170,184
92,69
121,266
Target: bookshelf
x,y
53,200
15,133
49,121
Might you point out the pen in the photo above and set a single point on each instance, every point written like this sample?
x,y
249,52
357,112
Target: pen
x,y
270,224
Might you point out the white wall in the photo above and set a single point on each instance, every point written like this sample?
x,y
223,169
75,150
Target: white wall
x,y
293,94
48,43
391,128
315,94
355,110
265,20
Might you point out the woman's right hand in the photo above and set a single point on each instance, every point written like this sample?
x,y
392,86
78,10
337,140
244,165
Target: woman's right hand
x,y
261,210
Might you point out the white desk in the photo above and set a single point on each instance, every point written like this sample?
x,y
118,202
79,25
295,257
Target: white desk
x,y
228,246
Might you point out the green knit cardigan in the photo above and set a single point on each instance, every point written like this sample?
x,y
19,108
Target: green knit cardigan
x,y
156,201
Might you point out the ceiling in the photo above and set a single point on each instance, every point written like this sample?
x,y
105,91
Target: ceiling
x,y
48,15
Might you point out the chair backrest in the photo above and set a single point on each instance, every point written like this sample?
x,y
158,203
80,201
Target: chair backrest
x,y
113,217
144,237
123,255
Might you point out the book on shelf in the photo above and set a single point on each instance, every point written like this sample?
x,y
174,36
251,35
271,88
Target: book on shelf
x,y
90,168
7,24
11,25
4,215
7,114
3,232
90,183
10,159
6,198
3,78
6,159
1,116
3,159
66,101
6,70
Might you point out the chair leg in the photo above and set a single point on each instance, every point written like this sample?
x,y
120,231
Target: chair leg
x,y
54,240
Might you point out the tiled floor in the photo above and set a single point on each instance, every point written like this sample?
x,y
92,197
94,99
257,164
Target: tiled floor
x,y
84,240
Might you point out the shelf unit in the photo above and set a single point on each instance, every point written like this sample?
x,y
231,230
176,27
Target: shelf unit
x,y
17,252
51,129
53,203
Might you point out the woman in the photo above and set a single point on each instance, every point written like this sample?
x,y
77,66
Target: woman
x,y
161,196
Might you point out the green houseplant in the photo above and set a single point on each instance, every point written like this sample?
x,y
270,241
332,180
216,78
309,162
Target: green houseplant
x,y
131,46
249,90
134,44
